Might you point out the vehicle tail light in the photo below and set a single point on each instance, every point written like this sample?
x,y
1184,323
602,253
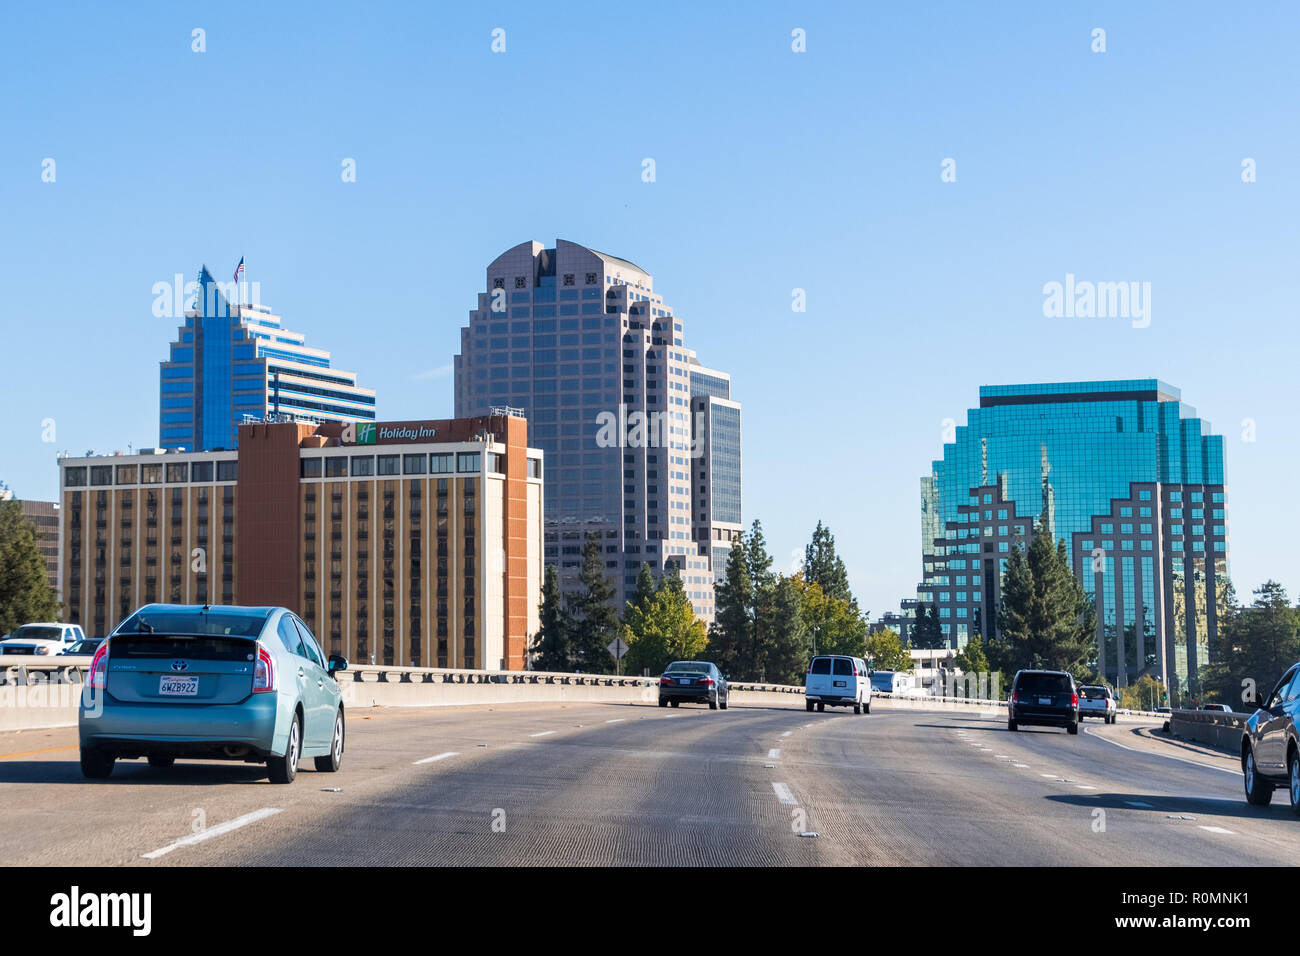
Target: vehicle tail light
x,y
1015,697
263,672
99,667
707,682
665,680
1074,700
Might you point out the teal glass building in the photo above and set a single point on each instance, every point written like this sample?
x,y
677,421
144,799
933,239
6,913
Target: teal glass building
x,y
1127,475
230,361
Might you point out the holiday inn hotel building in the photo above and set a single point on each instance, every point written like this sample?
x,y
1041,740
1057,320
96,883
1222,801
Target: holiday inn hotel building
x,y
402,543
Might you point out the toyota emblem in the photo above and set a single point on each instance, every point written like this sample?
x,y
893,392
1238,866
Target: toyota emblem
x,y
179,665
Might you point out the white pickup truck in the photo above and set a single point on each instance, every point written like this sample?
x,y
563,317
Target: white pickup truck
x,y
42,639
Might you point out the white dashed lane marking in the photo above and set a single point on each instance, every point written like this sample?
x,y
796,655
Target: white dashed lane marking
x,y
774,753
544,733
1216,829
783,793
435,759
219,830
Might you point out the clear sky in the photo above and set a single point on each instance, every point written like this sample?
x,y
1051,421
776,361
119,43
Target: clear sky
x,y
774,171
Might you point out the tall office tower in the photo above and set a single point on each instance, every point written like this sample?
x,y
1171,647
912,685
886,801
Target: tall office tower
x,y
642,442
1132,481
232,361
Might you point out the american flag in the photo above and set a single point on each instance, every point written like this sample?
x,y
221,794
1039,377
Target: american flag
x,y
239,269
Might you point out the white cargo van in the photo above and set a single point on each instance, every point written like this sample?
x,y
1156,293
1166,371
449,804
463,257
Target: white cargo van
x,y
838,681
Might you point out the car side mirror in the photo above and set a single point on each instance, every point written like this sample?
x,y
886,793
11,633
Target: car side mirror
x,y
338,663
726,677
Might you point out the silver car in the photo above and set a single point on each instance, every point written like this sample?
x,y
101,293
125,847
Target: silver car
x,y
225,683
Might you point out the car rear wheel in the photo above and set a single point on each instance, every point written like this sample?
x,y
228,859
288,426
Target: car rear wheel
x,y
1073,728
857,708
866,707
713,704
663,703
808,706
1293,767
722,702
330,762
161,761
1258,792
284,769
821,708
676,703
1012,726
94,764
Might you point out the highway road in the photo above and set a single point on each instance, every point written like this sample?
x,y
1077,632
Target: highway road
x,y
605,784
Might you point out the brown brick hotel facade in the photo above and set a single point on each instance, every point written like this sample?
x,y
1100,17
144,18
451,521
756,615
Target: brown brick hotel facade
x,y
405,543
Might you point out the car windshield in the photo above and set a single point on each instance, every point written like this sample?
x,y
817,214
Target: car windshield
x,y
1095,693
687,667
37,632
1043,683
193,622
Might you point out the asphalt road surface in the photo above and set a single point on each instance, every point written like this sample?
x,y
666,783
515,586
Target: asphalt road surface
x,y
602,784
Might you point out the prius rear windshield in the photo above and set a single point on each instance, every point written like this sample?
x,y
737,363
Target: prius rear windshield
x,y
1043,683
193,622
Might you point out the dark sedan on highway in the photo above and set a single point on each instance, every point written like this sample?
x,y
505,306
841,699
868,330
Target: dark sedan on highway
x,y
695,682
1270,751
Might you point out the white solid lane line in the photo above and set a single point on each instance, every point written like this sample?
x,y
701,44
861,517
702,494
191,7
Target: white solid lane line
x,y
787,733
616,720
1216,829
435,759
210,832
1194,763
774,753
544,733
783,793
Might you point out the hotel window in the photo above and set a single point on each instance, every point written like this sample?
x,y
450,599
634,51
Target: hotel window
x,y
1107,528
1175,512
227,471
363,465
178,473
1144,512
1126,512
1144,495
202,471
1126,528
1175,496
151,474
74,477
101,474
440,464
126,474
468,462
414,464
311,468
389,464
336,466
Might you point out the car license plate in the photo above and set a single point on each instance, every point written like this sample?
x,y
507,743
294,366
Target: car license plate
x,y
840,683
178,686
686,681
1045,701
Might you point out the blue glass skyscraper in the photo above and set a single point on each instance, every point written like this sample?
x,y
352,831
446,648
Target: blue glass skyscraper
x,y
231,360
1127,476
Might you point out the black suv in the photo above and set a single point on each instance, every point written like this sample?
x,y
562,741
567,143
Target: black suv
x,y
1045,698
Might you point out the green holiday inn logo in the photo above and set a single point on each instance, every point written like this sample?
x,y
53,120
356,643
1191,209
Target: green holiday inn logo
x,y
359,433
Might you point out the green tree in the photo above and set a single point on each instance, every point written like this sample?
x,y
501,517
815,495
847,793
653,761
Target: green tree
x,y
731,636
823,567
1256,644
1144,694
662,627
783,645
971,659
25,592
926,633
886,651
1046,619
595,622
834,624
552,643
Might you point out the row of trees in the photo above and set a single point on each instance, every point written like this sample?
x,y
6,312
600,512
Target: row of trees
x,y
25,592
767,624
1255,646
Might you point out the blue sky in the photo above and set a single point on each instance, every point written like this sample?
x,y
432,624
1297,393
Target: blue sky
x,y
775,170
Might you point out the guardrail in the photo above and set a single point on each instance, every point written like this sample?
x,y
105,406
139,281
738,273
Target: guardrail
x,y
1214,728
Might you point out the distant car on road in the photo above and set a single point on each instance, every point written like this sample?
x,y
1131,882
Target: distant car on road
x,y
1270,748
1097,700
42,639
1043,698
893,682
838,681
223,683
1164,710
84,648
695,682
1222,708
